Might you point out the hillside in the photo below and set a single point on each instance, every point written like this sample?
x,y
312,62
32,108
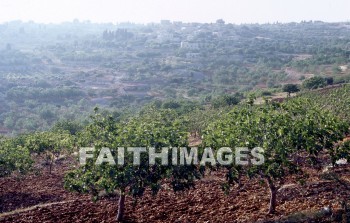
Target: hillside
x,y
322,196
50,72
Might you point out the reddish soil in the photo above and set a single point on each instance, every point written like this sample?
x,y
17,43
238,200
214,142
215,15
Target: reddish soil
x,y
47,201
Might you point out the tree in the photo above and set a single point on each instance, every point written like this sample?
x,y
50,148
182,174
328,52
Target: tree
x,y
225,100
13,157
314,83
153,128
220,21
50,144
290,88
171,104
282,131
329,80
199,119
72,127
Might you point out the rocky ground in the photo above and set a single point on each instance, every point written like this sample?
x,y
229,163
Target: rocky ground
x,y
40,197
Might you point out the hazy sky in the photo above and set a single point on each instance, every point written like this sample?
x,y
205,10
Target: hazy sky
x,y
144,11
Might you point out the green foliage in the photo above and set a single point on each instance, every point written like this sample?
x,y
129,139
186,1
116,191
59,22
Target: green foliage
x,y
73,127
342,79
42,83
53,94
282,131
50,144
266,93
341,151
314,83
336,100
13,157
153,128
171,104
199,119
290,88
225,100
181,107
329,80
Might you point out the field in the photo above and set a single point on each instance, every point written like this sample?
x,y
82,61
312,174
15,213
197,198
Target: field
x,y
41,198
279,90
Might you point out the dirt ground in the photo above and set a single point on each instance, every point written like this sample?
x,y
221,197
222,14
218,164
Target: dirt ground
x,y
41,198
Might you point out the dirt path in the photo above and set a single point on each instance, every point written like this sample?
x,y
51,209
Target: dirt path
x,y
46,205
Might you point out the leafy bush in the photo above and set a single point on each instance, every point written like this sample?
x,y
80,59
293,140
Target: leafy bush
x,y
13,157
314,83
224,100
50,144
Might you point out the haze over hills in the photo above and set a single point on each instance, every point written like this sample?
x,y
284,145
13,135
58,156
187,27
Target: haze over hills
x,y
226,111
60,71
174,111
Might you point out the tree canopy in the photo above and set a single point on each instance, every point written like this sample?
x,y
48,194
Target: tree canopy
x,y
152,129
282,131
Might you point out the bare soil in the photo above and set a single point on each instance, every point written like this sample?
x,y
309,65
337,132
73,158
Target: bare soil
x,y
41,198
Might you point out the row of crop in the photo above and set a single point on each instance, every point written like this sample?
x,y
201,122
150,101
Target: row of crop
x,y
282,132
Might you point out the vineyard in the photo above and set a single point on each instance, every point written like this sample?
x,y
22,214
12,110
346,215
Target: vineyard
x,y
303,177
335,99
